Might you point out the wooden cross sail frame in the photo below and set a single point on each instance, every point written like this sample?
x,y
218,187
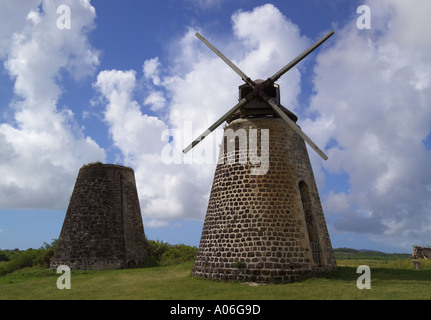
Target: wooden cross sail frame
x,y
259,90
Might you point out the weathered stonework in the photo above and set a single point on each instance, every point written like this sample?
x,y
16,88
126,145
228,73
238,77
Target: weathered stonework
x,y
421,253
103,226
267,227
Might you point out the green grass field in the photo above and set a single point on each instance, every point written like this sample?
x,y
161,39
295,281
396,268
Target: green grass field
x,y
390,279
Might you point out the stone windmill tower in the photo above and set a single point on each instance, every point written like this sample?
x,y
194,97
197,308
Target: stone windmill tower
x,y
264,222
103,226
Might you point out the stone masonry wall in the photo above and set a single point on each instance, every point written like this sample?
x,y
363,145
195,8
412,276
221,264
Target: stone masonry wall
x,y
103,227
255,227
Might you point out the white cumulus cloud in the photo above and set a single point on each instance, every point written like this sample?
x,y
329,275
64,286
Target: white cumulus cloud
x,y
373,97
42,145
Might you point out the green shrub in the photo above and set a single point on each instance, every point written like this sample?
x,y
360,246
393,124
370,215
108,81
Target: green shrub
x,y
178,253
25,259
22,260
29,258
162,254
4,256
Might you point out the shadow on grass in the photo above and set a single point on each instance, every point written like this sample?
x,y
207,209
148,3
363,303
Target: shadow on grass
x,y
349,274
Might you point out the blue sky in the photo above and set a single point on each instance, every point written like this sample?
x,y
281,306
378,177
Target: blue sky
x,y
128,75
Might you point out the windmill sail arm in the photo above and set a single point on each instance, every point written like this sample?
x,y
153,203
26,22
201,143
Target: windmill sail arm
x,y
299,58
215,125
226,60
297,129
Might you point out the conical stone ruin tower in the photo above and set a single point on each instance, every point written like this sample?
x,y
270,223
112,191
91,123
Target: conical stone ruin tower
x,y
264,220
264,227
103,227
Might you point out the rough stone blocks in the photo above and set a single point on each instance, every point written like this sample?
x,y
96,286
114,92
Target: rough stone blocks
x,y
103,227
267,227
